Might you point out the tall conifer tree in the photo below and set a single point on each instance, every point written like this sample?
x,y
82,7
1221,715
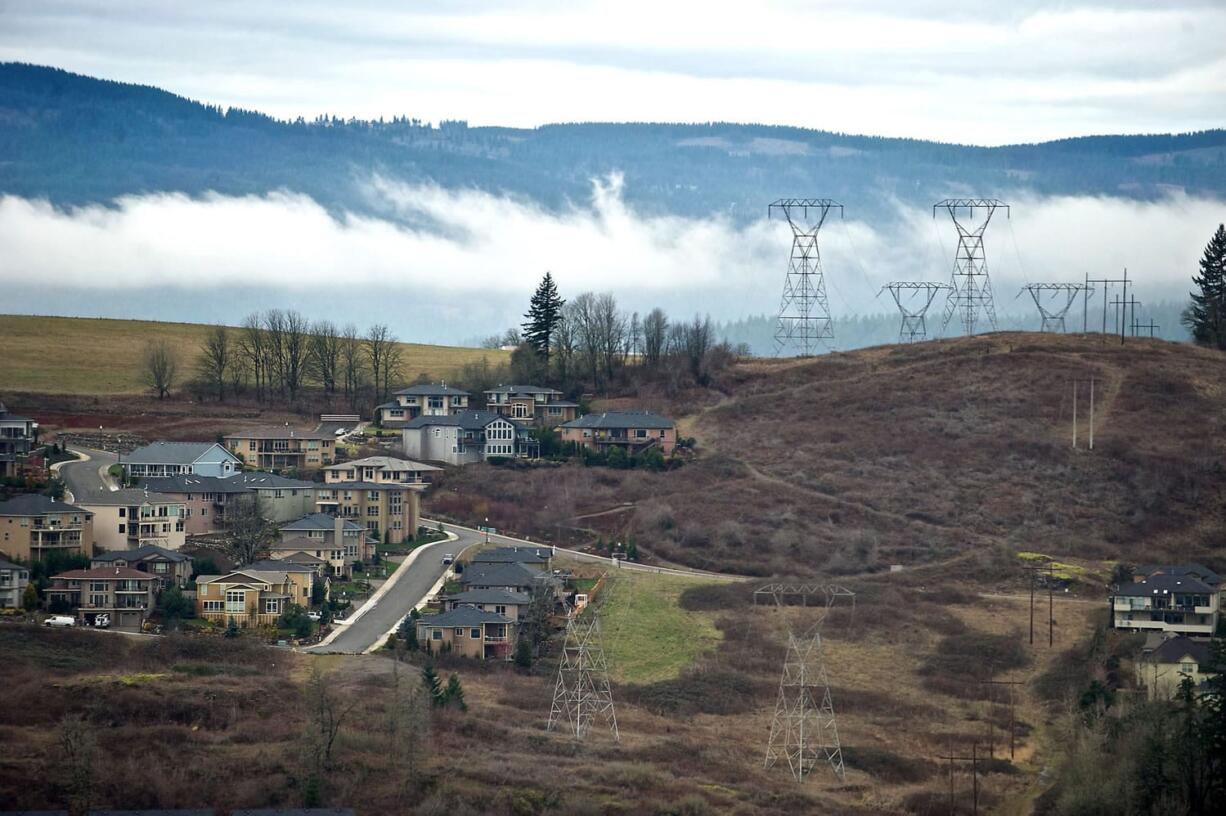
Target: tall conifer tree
x,y
544,312
1205,317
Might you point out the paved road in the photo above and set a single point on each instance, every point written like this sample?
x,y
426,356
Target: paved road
x,y
85,478
412,583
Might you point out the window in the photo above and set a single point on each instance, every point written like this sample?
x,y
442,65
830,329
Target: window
x,y
122,513
475,634
436,634
236,601
500,609
213,606
97,600
160,566
251,445
438,432
121,528
97,586
640,433
1187,668
459,632
372,511
272,606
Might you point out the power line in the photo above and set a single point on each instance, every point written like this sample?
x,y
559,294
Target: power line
x,y
913,300
582,692
971,292
804,310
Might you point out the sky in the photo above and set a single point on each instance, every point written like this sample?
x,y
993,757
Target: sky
x,y
986,72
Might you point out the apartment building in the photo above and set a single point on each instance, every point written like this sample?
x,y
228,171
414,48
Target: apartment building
x,y
131,518
171,567
334,539
467,437
382,470
14,578
125,595
426,399
1181,599
283,448
33,525
634,431
250,597
530,403
204,499
469,632
281,498
162,459
386,509
17,435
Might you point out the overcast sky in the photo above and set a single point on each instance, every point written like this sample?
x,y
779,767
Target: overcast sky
x,y
985,72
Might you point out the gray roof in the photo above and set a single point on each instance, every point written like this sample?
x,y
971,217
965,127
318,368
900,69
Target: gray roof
x,y
186,483
319,521
258,479
463,616
513,555
384,463
280,565
522,389
1196,570
499,575
369,486
1164,585
432,390
9,565
1175,649
301,556
490,596
126,496
279,432
468,420
170,453
621,420
5,416
141,553
35,504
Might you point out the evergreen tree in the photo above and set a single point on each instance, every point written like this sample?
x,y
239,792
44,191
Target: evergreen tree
x,y
454,695
429,679
1205,317
544,313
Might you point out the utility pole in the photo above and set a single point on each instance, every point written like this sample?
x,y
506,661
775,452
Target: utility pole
x,y
974,760
1106,282
1051,604
1091,413
1074,415
1012,720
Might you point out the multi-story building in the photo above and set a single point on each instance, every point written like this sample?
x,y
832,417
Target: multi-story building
x,y
467,437
160,459
339,541
304,573
469,632
32,526
381,469
204,499
1180,599
125,595
531,403
14,578
634,431
426,399
281,498
1162,670
387,510
282,448
131,518
503,602
250,597
509,577
540,558
17,435
171,567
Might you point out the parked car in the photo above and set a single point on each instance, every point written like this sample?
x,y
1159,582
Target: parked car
x,y
60,620
315,616
102,621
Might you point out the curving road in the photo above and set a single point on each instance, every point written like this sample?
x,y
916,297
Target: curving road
x,y
86,477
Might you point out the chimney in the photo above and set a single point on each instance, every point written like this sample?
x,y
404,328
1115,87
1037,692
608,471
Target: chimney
x,y
338,530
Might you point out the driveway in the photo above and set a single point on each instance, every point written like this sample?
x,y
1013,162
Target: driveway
x,y
83,478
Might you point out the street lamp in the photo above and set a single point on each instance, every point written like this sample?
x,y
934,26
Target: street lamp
x,y
487,529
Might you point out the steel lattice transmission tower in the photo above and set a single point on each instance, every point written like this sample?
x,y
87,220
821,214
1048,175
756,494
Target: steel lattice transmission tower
x,y
804,311
1053,300
971,295
582,692
913,300
803,730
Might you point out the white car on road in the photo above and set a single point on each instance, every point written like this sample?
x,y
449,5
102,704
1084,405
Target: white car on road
x,y
60,620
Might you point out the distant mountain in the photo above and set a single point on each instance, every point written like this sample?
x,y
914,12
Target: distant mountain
x,y
74,139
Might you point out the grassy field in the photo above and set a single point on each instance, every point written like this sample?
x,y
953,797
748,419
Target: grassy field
x,y
648,637
72,355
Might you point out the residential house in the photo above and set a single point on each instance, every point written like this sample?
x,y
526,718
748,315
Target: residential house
x,y
339,541
282,447
303,573
634,431
282,498
160,459
33,526
1167,601
17,435
421,400
204,499
529,403
14,578
131,518
125,595
469,632
510,577
536,557
388,510
248,597
467,437
509,604
381,469
1162,670
1197,571
173,568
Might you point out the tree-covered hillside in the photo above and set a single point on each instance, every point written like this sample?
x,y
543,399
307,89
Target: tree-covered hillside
x,y
74,139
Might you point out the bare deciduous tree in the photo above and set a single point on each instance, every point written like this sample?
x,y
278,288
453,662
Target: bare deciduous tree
x,y
248,532
253,349
159,367
351,362
294,353
324,354
217,360
655,337
379,345
699,338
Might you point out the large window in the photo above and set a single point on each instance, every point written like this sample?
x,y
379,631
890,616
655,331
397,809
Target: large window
x,y
212,606
236,601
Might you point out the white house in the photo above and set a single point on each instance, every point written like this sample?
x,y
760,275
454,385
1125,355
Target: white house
x,y
466,437
427,399
181,458
133,518
1178,599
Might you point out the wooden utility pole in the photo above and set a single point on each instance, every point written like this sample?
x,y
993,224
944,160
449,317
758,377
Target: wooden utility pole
x,y
1074,414
1051,603
1012,720
1091,413
974,760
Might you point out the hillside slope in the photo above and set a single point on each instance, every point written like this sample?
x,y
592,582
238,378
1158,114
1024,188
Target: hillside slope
x,y
88,356
912,454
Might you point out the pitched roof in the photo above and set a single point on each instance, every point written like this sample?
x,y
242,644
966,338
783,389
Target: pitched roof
x,y
301,557
259,480
300,544
1173,650
170,453
468,420
1162,584
35,504
1196,570
186,483
521,389
106,573
490,596
432,390
499,575
279,565
273,576
383,463
141,553
513,555
278,432
125,497
463,616
5,416
371,486
319,521
621,420
9,565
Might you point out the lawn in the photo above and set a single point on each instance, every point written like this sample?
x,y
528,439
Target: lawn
x,y
71,355
648,637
